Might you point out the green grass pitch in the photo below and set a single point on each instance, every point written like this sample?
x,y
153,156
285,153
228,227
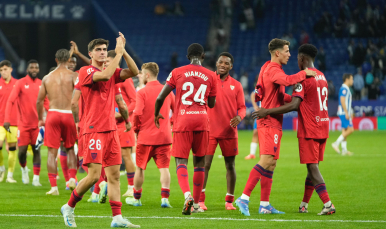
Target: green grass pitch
x,y
356,186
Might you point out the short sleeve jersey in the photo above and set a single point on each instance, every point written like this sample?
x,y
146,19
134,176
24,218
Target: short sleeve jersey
x,y
98,97
193,84
313,119
345,92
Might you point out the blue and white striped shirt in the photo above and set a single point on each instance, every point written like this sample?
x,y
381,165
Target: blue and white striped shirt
x,y
345,92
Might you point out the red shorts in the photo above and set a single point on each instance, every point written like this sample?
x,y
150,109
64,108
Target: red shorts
x,y
27,135
184,141
269,141
102,148
80,146
229,146
60,126
311,151
127,139
160,153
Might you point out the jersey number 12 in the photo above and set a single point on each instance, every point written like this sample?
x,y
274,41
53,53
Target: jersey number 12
x,y
323,106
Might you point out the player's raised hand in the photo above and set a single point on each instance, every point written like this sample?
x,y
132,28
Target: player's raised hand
x,y
156,119
310,72
128,126
119,47
259,113
74,47
123,38
235,121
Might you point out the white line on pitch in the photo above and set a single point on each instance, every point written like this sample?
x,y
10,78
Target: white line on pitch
x,y
199,218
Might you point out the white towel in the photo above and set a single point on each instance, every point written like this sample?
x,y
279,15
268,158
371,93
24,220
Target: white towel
x,y
40,139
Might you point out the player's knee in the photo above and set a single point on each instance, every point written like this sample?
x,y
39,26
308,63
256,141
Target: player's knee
x,y
230,166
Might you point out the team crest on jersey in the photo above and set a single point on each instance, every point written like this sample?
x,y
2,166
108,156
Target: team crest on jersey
x,y
77,80
182,112
298,87
317,118
232,87
93,155
344,92
26,86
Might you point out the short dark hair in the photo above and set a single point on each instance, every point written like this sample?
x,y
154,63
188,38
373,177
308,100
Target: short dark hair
x,y
95,42
346,76
227,54
309,50
32,62
5,63
196,50
62,55
277,44
111,54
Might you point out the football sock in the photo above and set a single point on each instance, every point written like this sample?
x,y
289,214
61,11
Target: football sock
x,y
52,178
229,198
72,173
36,169
130,178
264,203
198,183
322,192
308,190
244,197
63,163
10,175
137,193
253,148
11,160
23,164
344,146
75,198
165,192
254,177
116,207
202,196
266,185
183,178
339,140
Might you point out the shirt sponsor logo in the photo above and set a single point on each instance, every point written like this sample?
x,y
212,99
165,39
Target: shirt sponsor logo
x,y
26,86
325,119
89,71
232,87
182,112
91,127
196,112
298,87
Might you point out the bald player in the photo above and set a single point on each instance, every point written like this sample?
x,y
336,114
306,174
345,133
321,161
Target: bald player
x,y
58,86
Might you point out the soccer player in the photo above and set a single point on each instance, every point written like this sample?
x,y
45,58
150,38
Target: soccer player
x,y
223,120
195,92
273,81
310,99
255,136
152,142
345,114
58,86
25,93
126,138
101,143
7,84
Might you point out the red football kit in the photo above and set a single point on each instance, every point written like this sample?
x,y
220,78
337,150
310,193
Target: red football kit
x,y
127,139
313,121
193,84
5,92
60,126
269,128
152,142
101,141
25,92
80,123
230,102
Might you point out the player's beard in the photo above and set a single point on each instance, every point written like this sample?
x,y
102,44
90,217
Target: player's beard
x,y
32,76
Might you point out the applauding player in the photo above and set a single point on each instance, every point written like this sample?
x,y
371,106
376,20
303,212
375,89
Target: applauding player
x,y
195,92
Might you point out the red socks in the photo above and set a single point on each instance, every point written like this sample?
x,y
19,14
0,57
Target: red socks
x,y
165,192
52,178
183,178
75,198
23,164
198,183
137,193
37,169
202,196
254,177
229,198
116,207
130,178
322,192
309,189
266,185
63,163
72,173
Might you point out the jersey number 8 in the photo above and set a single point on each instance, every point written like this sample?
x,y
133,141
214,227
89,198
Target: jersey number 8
x,y
198,97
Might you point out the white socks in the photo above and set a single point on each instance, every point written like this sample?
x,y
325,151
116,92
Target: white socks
x,y
130,186
230,195
10,175
196,205
117,218
244,197
2,168
36,177
344,146
304,204
264,203
339,140
253,148
328,204
186,194
203,190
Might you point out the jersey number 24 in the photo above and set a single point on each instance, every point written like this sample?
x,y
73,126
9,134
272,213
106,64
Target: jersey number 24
x,y
198,97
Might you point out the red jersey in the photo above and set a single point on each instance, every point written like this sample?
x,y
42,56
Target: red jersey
x,y
313,119
274,81
193,84
98,97
25,92
230,102
5,92
148,133
129,96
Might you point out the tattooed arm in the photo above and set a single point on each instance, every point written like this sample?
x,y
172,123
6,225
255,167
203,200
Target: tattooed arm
x,y
124,114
